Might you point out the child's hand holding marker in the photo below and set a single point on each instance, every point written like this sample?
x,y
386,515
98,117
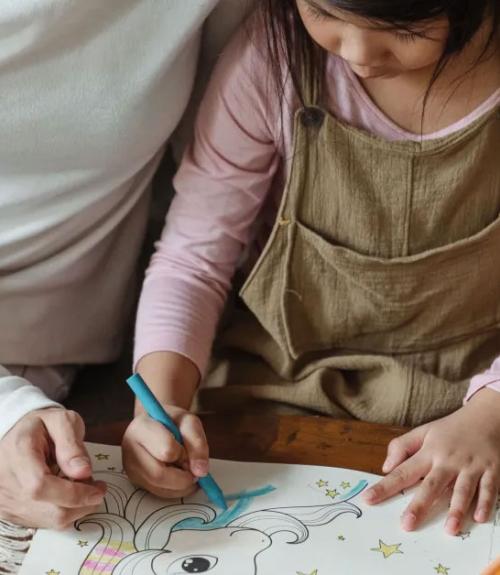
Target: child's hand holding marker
x,y
156,462
152,457
459,452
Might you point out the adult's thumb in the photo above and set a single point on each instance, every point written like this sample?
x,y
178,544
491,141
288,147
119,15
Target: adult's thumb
x,y
67,430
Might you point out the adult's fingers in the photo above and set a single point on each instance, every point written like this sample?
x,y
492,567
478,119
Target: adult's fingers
x,y
196,444
403,447
63,492
404,476
39,484
67,430
59,518
432,487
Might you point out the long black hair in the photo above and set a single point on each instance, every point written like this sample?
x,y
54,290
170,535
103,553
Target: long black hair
x,y
291,49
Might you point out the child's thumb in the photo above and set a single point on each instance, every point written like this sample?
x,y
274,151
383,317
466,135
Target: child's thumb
x,y
402,448
67,430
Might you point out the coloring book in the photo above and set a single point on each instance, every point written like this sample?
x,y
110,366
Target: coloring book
x,y
282,520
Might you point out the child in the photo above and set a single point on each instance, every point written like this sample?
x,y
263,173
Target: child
x,y
348,151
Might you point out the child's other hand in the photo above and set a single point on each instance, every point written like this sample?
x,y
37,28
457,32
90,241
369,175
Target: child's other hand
x,y
156,462
460,451
31,493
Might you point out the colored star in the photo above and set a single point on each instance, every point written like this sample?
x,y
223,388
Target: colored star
x,y
341,538
387,550
101,456
82,543
345,485
315,572
332,493
464,535
52,572
441,569
322,483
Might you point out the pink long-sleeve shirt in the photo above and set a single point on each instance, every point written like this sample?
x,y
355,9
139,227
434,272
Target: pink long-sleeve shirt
x,y
228,189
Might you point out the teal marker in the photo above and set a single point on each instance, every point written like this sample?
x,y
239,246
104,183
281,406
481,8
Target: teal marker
x,y
155,411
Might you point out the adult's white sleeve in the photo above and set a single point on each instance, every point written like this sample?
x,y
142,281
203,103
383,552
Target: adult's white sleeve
x,y
18,397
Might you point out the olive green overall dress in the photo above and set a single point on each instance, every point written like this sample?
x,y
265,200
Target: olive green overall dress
x,y
377,296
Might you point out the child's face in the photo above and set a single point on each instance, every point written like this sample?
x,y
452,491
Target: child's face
x,y
370,49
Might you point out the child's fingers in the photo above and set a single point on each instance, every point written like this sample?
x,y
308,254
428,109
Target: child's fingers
x,y
196,444
403,447
405,475
146,471
461,500
488,494
156,439
432,487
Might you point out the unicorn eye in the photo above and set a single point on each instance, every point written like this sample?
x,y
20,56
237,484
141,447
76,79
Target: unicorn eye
x,y
193,564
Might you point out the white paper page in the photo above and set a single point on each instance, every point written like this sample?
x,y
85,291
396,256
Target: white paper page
x,y
293,520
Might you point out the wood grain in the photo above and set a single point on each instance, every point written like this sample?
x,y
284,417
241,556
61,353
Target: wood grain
x,y
286,439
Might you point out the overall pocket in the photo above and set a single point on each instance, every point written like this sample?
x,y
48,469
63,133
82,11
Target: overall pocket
x,y
333,296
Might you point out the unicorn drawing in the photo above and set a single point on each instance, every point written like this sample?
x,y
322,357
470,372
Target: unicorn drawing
x,y
184,537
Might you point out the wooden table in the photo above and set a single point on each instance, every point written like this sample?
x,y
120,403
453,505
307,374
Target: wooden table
x,y
280,439
287,439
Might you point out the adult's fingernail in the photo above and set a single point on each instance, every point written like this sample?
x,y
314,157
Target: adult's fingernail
x,y
452,525
482,515
79,462
409,521
200,466
96,499
369,496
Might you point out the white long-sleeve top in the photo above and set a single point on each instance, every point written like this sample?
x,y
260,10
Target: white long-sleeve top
x,y
90,91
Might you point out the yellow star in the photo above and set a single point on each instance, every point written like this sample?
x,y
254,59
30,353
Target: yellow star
x,y
322,483
52,572
315,572
101,456
345,485
387,550
331,493
441,569
82,543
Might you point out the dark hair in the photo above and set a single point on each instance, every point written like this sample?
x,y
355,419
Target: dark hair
x,y
291,48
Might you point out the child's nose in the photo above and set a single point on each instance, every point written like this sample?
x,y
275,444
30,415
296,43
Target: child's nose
x,y
358,49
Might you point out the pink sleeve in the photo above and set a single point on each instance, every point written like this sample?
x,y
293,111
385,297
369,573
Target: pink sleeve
x,y
489,378
221,185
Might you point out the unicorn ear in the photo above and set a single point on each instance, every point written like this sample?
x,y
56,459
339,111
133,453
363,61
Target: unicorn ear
x,y
251,538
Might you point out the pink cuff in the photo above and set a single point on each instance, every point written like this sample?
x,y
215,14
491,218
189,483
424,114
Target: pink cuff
x,y
490,378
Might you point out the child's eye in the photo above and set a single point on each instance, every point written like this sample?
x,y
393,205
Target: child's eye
x,y
407,36
318,14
